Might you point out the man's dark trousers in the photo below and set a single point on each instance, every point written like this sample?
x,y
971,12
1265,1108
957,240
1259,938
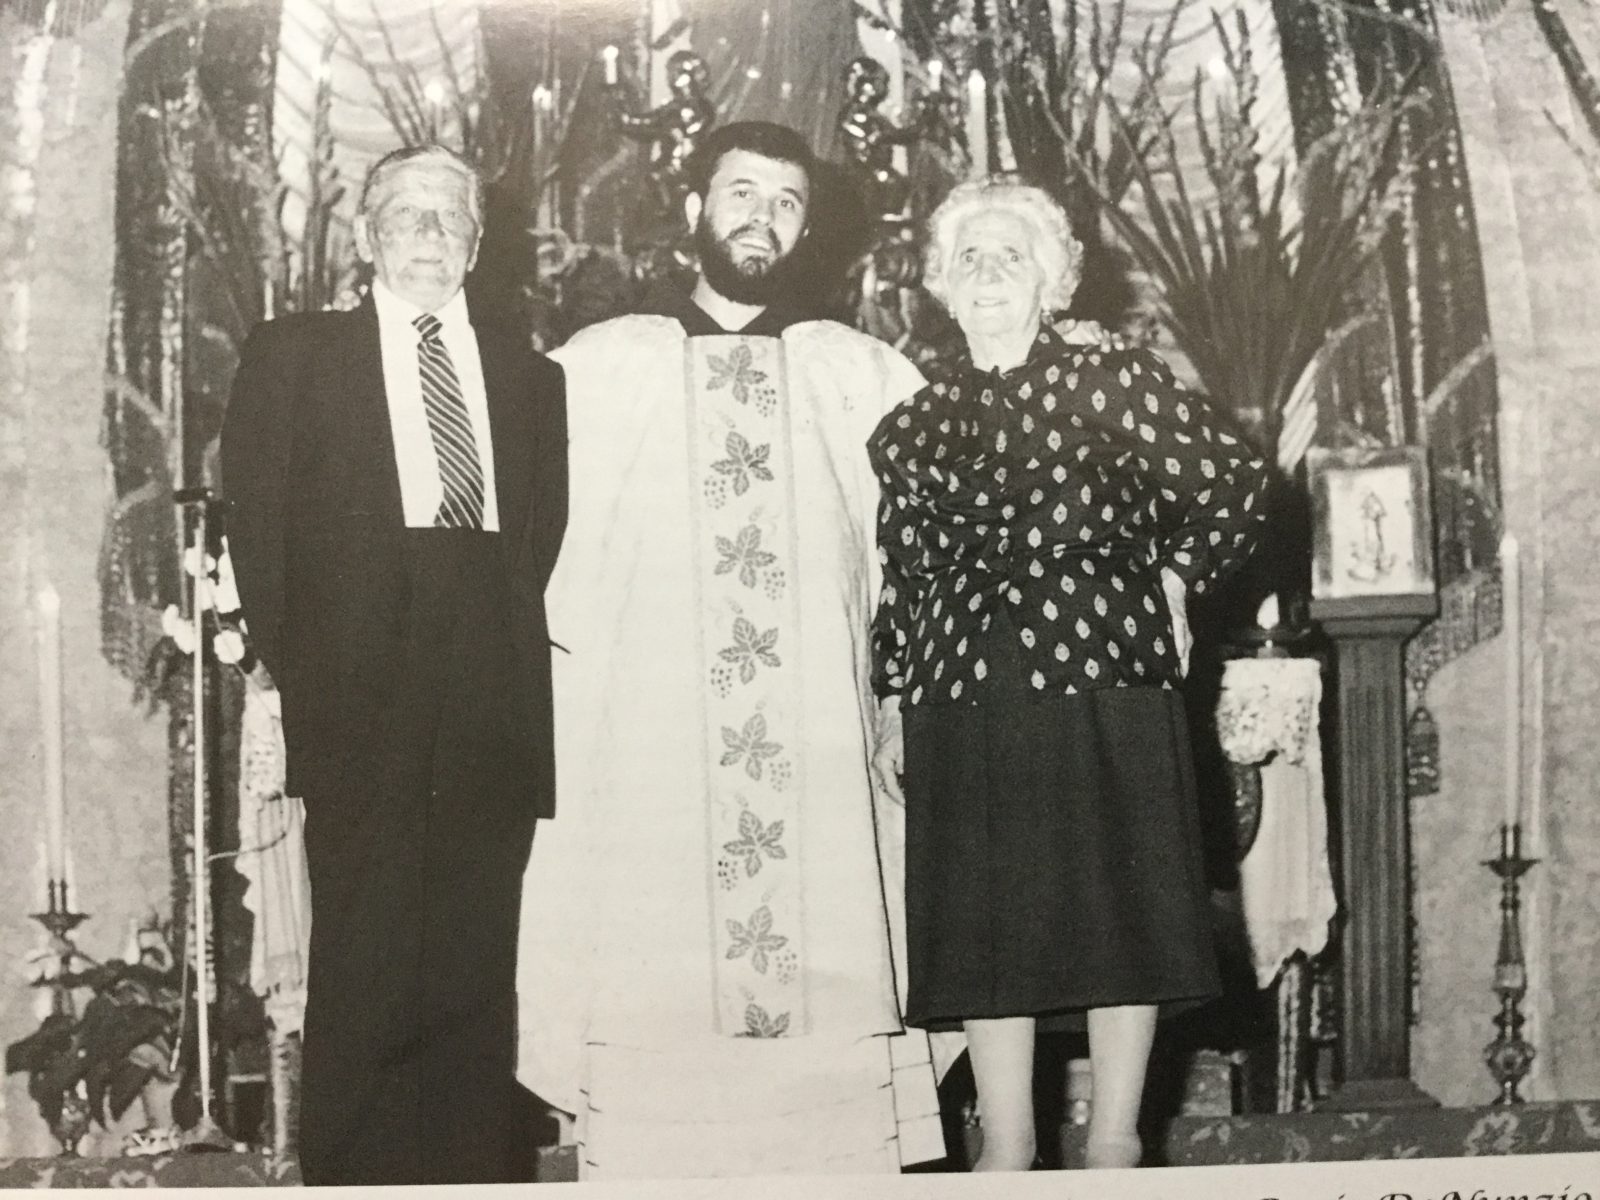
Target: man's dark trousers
x,y
416,862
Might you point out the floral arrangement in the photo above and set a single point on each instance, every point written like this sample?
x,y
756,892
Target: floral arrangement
x,y
219,596
132,1042
222,624
120,1050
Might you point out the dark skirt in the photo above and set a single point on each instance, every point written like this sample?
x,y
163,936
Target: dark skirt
x,y
1053,859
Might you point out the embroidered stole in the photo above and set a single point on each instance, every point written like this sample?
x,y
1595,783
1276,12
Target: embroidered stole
x,y
745,543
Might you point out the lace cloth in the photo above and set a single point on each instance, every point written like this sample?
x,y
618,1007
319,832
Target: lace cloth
x,y
1267,717
272,860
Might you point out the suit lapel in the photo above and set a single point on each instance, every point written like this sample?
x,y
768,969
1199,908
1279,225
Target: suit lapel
x,y
511,432
365,405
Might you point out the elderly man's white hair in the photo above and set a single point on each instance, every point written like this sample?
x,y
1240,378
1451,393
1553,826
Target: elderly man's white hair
x,y
1058,253
408,155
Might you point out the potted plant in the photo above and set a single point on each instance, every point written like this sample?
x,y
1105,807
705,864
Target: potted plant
x,y
121,1049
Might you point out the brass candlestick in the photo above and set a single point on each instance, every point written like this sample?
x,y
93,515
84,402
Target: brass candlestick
x,y
60,920
1510,1055
73,1121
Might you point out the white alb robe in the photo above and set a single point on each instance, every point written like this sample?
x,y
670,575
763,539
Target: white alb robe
x,y
705,933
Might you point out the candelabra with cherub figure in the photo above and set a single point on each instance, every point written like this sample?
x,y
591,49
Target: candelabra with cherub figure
x,y
673,128
871,137
886,274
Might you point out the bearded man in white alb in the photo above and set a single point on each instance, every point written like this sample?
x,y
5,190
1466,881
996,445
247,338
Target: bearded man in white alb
x,y
705,974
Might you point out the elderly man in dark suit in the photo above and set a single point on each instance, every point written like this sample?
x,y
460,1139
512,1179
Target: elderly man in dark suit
x,y
397,478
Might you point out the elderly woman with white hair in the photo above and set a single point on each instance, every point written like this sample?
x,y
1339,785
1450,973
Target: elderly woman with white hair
x,y
1047,508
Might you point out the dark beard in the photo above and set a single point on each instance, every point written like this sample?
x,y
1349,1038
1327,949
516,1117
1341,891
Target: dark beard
x,y
757,281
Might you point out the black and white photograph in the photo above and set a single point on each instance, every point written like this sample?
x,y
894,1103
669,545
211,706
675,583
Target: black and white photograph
x,y
703,598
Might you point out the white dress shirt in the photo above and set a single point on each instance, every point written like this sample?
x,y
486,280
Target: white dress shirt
x,y
421,489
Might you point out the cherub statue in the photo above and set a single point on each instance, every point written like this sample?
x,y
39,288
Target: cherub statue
x,y
871,136
674,127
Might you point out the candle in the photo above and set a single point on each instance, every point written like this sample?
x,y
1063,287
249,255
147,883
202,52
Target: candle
x,y
609,55
434,93
544,103
935,76
978,123
1511,634
41,875
50,720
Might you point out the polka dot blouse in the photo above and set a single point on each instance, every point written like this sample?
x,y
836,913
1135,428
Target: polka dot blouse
x,y
1026,517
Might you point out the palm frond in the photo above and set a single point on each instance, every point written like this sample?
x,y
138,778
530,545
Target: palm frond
x,y
1249,289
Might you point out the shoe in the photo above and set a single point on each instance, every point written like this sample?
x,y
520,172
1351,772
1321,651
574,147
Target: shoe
x,y
147,1143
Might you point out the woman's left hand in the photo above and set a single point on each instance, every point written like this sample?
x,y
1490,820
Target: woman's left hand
x,y
1177,603
888,756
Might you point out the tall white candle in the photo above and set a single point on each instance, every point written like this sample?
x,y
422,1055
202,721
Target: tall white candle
x,y
1511,634
978,123
609,55
50,724
41,875
543,100
434,93
935,76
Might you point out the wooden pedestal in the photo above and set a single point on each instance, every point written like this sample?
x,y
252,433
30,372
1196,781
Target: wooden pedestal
x,y
1374,848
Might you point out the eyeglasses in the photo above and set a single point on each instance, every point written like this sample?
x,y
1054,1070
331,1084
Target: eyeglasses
x,y
411,219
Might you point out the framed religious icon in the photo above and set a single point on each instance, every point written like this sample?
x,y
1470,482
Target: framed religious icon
x,y
1372,524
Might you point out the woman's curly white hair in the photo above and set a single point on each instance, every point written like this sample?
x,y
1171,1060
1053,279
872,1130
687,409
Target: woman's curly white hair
x,y
1058,253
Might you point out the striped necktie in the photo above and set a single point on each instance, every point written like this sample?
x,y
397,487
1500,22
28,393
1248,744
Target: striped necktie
x,y
459,469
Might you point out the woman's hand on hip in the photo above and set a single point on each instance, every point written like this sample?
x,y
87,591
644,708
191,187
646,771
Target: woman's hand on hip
x,y
1177,604
888,752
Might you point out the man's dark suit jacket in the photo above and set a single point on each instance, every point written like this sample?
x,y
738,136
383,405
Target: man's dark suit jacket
x,y
316,532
